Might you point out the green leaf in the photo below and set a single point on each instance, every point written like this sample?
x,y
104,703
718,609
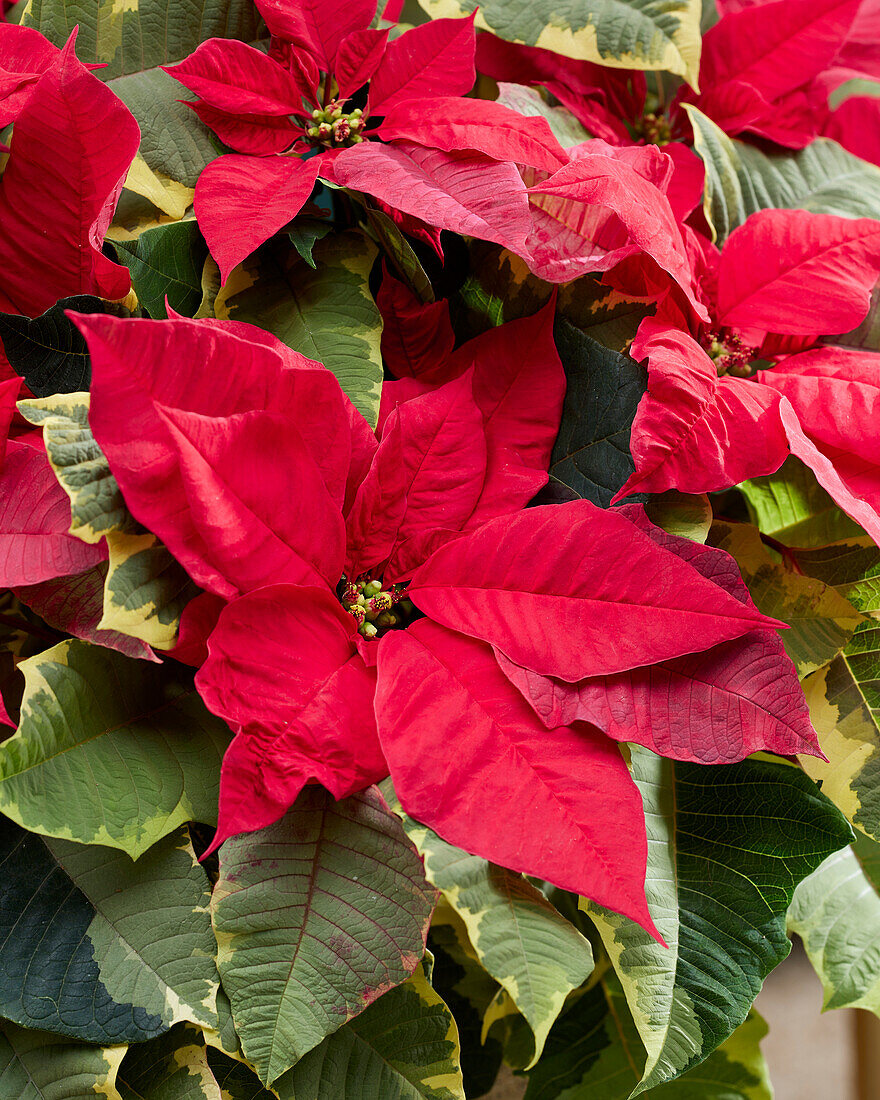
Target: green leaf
x,y
174,140
305,233
625,34
851,566
100,948
686,515
140,34
528,102
172,1067
836,912
400,252
49,351
348,925
327,314
591,454
500,287
793,507
726,847
146,590
236,1080
110,750
521,940
844,702
403,1047
823,178
96,503
594,1053
35,1065
821,620
166,261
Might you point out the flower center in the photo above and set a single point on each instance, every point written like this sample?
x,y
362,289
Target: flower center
x,y
332,128
654,129
730,353
374,609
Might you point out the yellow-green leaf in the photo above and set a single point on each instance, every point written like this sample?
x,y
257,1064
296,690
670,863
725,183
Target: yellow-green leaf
x,y
624,34
36,1065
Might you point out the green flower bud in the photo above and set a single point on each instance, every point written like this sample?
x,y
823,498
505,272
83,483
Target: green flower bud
x,y
367,630
373,588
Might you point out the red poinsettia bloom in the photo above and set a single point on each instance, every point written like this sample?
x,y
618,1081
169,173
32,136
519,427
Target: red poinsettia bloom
x,y
765,69
781,279
301,111
385,595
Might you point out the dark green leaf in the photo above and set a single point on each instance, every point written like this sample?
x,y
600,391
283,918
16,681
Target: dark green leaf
x,y
304,233
591,454
36,1065
48,351
99,948
166,261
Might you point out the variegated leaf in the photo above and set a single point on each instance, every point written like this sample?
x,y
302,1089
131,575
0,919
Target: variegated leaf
x,y
110,750
404,1045
36,1065
726,847
349,920
172,1067
111,951
326,313
836,912
821,620
521,940
741,178
96,504
626,34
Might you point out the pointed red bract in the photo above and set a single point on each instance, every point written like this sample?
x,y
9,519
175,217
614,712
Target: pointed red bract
x,y
694,431
236,77
426,478
715,707
284,672
35,543
317,25
241,201
359,55
464,192
470,760
138,392
63,173
416,337
451,123
258,135
435,59
24,56
573,590
796,273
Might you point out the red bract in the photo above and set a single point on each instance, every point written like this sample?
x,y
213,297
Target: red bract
x,y
444,161
784,273
434,530
63,167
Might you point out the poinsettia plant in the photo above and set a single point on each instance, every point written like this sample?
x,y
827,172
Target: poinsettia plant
x,y
439,540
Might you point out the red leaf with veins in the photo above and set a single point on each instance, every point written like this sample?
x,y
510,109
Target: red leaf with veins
x,y
359,55
450,123
138,374
64,172
317,25
35,544
470,760
416,337
775,47
258,499
715,707
835,394
238,78
259,135
464,192
241,201
694,431
435,59
24,56
426,478
796,273
601,208
283,671
573,590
